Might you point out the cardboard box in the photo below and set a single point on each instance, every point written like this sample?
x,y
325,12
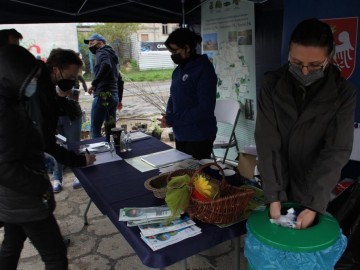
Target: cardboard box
x,y
247,163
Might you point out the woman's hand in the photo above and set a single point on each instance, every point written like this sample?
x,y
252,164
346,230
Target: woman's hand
x,y
305,219
275,210
163,122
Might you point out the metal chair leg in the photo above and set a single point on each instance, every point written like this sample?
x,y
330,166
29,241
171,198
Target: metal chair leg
x,y
86,212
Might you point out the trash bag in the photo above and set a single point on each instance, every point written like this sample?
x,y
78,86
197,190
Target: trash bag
x,y
346,209
261,256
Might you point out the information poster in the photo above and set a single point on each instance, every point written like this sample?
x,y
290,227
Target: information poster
x,y
228,32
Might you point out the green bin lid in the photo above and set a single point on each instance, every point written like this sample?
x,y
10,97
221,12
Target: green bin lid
x,y
317,237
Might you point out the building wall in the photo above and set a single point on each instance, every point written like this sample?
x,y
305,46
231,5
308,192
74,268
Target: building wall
x,y
155,31
40,39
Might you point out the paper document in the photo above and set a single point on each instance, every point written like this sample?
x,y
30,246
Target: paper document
x,y
105,158
138,135
157,228
94,148
163,158
169,238
144,213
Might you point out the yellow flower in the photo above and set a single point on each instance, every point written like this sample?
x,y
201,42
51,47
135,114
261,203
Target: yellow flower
x,y
202,185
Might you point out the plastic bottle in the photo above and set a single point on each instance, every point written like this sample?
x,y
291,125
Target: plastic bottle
x,y
128,142
112,145
122,142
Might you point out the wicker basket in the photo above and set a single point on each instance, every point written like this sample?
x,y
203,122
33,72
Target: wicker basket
x,y
157,185
226,209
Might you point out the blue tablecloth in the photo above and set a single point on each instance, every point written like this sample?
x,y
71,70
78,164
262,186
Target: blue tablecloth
x,y
116,185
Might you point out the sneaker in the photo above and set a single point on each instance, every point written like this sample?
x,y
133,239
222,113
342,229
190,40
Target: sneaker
x,y
76,184
57,186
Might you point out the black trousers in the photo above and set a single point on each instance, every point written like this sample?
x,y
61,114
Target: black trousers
x,y
199,150
46,237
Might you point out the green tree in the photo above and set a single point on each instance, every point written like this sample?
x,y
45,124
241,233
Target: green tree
x,y
118,35
116,31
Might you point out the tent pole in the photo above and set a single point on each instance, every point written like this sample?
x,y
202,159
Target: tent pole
x,y
183,25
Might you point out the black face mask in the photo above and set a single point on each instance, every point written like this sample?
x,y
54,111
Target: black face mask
x,y
93,49
177,59
66,84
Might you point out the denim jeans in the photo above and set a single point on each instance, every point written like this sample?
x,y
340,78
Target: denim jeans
x,y
71,129
46,238
101,113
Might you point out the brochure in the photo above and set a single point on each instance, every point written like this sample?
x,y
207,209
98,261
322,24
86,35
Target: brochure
x,y
164,158
146,213
163,227
166,239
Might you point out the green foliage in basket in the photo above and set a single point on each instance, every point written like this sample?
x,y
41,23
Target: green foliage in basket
x,y
178,194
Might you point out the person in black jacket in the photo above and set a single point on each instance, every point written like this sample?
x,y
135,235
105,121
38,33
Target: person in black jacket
x,y
107,85
26,198
304,127
45,107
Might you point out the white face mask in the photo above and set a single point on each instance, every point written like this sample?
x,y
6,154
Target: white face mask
x,y
30,89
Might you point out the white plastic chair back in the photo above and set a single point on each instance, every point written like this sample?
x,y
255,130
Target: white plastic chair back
x,y
226,111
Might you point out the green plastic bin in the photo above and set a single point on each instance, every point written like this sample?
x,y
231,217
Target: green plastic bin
x,y
322,234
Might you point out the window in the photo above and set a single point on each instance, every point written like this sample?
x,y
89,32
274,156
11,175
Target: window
x,y
144,37
165,30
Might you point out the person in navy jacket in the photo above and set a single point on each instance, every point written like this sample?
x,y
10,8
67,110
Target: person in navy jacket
x,y
191,105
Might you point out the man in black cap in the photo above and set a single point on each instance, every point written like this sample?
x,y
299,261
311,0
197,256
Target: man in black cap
x,y
107,85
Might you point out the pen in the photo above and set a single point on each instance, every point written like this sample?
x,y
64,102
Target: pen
x,y
87,151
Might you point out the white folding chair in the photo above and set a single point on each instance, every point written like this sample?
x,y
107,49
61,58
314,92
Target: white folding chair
x,y
227,111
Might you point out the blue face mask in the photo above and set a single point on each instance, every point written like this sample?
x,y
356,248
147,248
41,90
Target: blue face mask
x,y
30,89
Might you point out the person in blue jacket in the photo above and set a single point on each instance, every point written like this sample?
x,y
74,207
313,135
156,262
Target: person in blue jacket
x,y
107,85
191,105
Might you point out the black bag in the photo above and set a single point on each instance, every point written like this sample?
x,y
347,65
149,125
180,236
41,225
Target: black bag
x,y
346,209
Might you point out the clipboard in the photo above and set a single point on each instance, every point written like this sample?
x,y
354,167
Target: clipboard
x,y
163,158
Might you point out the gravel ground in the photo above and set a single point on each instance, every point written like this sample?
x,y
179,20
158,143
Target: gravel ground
x,y
135,110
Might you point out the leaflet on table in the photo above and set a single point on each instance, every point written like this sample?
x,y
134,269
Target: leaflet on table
x,y
146,213
94,148
188,164
133,223
163,227
164,158
166,239
105,157
138,135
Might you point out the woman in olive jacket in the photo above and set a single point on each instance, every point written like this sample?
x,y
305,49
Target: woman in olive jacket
x,y
26,198
304,127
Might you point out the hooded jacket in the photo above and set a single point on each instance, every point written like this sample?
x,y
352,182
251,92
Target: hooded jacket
x,y
106,71
25,189
301,150
191,105
44,108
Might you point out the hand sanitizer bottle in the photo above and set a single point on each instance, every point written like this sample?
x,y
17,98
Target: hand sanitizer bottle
x,y
112,145
122,142
128,142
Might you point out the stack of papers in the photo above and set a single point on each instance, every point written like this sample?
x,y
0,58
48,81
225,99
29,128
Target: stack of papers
x,y
158,228
164,158
162,240
155,229
95,148
138,135
144,214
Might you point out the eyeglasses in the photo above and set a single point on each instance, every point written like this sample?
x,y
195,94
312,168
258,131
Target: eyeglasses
x,y
310,68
